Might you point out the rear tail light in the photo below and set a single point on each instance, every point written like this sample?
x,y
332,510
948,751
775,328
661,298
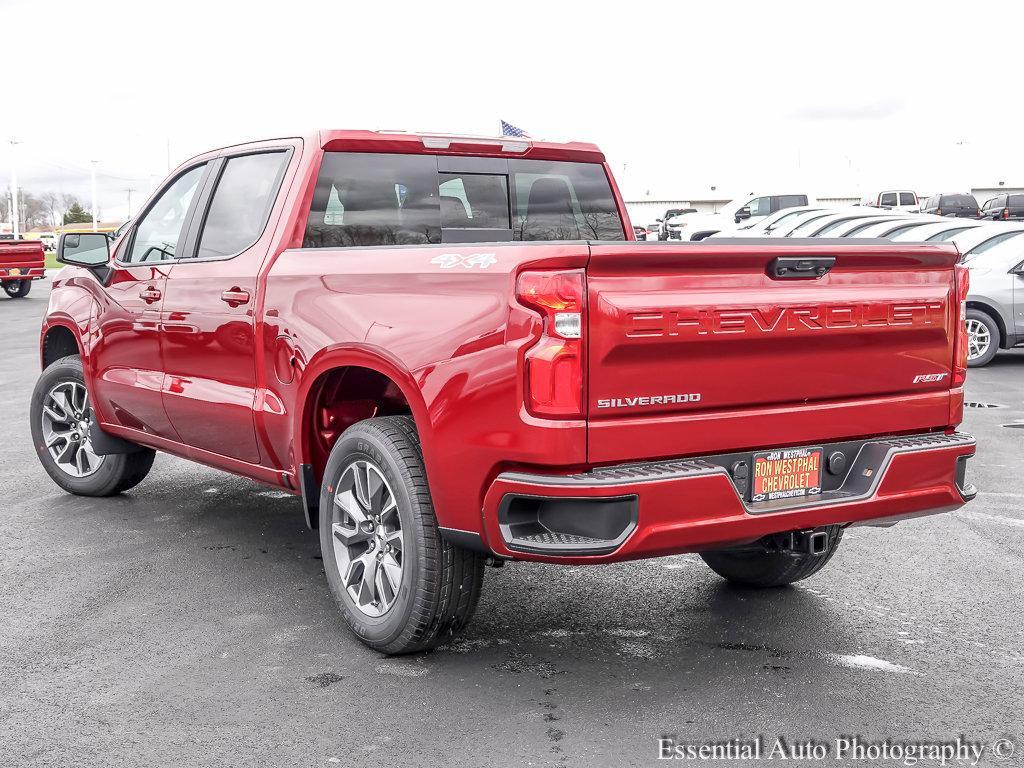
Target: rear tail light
x,y
963,283
555,364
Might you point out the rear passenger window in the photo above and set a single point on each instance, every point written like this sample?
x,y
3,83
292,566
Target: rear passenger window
x,y
791,201
242,200
907,198
365,199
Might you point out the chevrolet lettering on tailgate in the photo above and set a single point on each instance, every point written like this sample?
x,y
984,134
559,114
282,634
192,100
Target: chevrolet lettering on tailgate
x,y
708,321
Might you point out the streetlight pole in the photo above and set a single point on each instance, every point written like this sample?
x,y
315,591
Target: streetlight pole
x,y
14,189
93,179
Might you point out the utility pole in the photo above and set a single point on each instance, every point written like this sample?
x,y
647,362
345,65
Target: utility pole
x,y
129,190
14,189
93,177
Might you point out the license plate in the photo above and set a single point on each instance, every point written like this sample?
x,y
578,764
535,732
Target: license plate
x,y
15,272
787,473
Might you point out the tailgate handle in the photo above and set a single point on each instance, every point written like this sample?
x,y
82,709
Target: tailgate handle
x,y
797,268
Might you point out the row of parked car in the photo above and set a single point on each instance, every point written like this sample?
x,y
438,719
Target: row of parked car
x,y
992,250
748,212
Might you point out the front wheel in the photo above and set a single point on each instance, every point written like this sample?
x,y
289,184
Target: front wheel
x,y
17,289
401,587
983,338
61,417
763,565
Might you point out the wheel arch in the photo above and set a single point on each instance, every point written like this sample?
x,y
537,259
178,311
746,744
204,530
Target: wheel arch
x,y
58,340
983,306
343,385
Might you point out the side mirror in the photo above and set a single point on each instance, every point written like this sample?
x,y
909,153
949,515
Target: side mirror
x,y
743,213
659,220
1018,270
84,249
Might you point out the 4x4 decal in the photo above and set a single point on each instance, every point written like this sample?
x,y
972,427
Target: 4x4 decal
x,y
467,260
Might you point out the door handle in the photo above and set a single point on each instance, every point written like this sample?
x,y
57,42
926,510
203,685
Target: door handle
x,y
150,294
235,296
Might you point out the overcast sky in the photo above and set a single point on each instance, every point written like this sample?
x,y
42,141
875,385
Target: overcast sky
x,y
830,98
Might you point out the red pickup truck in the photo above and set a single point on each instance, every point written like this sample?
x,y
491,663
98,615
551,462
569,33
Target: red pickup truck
x,y
452,349
21,262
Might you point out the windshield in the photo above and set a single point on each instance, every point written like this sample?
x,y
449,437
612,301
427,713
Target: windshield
x,y
949,234
787,217
992,242
836,224
1008,252
808,225
905,228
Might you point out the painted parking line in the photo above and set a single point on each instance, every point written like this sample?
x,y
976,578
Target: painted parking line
x,y
1015,521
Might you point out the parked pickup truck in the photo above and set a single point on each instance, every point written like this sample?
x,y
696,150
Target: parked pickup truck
x,y
21,262
451,349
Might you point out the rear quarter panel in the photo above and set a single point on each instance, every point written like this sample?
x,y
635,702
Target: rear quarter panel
x,y
449,333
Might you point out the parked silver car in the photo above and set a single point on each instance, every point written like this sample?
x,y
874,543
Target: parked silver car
x,y
995,303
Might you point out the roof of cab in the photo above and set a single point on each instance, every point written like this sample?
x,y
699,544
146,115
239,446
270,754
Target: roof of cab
x,y
449,144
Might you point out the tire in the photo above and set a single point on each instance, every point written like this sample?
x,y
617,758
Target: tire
x,y
17,289
110,474
437,586
761,567
981,326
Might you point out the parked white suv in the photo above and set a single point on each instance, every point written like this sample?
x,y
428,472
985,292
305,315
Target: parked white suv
x,y
903,200
749,209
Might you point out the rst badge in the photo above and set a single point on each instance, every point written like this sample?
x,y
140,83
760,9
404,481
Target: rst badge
x,y
930,378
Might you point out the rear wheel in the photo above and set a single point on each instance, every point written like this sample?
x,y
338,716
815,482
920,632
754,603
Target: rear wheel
x,y
401,587
983,338
60,420
762,565
17,289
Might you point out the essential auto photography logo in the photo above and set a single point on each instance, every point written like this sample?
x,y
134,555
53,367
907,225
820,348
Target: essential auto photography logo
x,y
842,750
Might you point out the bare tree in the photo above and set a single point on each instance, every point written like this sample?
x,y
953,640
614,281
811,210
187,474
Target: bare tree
x,y
51,200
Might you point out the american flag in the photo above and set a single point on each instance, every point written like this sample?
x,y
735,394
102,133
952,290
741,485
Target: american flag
x,y
507,129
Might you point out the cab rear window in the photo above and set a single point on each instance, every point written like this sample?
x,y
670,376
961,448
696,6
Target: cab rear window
x,y
366,199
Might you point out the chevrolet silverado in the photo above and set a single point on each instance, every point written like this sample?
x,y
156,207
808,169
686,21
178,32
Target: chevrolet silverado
x,y
453,351
21,262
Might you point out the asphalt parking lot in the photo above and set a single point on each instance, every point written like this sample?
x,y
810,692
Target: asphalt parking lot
x,y
189,623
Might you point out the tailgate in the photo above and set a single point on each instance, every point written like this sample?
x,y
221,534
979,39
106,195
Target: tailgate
x,y
21,253
702,335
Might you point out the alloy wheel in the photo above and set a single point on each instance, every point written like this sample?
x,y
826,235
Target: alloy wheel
x,y
367,534
66,419
979,339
